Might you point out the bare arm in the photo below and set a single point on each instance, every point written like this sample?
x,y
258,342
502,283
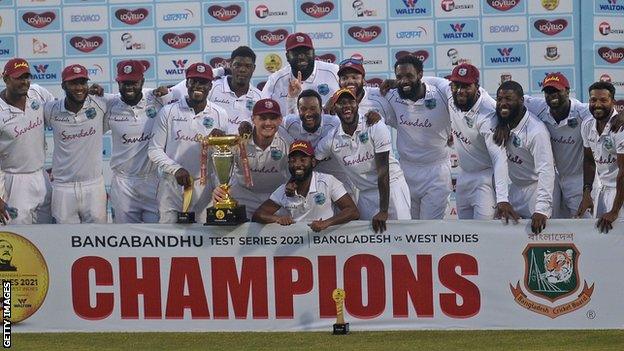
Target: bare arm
x,y
265,214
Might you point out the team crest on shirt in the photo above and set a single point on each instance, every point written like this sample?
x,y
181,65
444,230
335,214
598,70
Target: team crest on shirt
x,y
608,144
35,105
208,122
469,121
516,141
151,112
430,103
572,122
323,89
250,104
276,154
319,198
90,113
364,137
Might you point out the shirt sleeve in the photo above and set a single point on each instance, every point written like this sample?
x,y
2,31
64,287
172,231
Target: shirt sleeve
x,y
499,160
618,140
391,118
544,166
323,148
584,134
443,85
269,87
45,94
156,149
337,188
277,197
380,137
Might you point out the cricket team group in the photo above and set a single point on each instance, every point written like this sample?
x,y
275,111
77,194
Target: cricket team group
x,y
315,146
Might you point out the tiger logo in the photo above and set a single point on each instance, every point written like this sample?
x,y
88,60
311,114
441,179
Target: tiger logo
x,y
558,266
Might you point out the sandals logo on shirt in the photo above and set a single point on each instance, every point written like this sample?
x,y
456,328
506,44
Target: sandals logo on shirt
x,y
151,112
323,89
90,113
364,137
319,198
208,122
276,154
35,105
430,103
573,122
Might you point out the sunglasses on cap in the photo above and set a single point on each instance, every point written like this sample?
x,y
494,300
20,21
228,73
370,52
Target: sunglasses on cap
x,y
350,60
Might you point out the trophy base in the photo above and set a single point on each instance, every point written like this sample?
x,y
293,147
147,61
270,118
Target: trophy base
x,y
341,329
233,216
186,217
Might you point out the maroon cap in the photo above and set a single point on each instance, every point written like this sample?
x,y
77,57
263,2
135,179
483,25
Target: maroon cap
x,y
129,70
301,146
199,70
352,64
266,106
342,91
74,71
16,67
465,73
555,80
296,40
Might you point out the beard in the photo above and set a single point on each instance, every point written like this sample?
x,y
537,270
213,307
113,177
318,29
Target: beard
x,y
300,177
470,101
513,112
408,94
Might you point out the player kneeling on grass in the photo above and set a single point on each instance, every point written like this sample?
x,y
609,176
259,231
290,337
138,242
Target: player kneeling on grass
x,y
308,196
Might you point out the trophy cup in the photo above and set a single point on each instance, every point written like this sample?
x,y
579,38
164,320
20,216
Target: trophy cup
x,y
186,217
340,328
226,211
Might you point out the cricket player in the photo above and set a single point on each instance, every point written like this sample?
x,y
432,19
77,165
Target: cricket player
x,y
604,153
314,195
176,146
529,156
364,153
25,184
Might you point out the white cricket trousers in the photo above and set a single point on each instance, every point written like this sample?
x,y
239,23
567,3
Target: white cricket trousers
x,y
399,206
79,202
476,197
133,198
30,194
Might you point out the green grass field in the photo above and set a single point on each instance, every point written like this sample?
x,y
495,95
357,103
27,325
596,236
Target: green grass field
x,y
569,340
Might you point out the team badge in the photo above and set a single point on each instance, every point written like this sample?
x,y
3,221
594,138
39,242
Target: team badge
x,y
323,89
608,144
151,112
469,121
515,140
430,103
573,122
35,105
250,104
276,154
208,122
364,137
552,53
90,113
319,198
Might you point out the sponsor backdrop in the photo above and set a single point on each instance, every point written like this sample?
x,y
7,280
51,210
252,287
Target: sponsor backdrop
x,y
438,275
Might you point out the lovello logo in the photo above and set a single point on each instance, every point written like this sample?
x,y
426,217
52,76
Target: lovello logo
x,y
458,32
262,11
611,55
178,41
605,29
224,14
422,55
329,58
178,67
86,45
39,20
219,62
131,17
317,10
364,34
549,27
505,56
271,38
503,5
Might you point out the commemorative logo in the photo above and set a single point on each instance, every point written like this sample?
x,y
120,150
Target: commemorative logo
x,y
178,41
611,55
271,38
39,20
364,35
224,14
22,264
131,17
86,45
272,62
549,27
503,5
551,272
317,10
550,5
422,55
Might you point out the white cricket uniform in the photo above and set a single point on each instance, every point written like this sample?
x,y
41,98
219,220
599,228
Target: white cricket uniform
x,y
135,179
324,79
178,132
531,167
567,147
605,148
356,155
423,129
238,108
324,190
268,169
480,159
78,193
24,182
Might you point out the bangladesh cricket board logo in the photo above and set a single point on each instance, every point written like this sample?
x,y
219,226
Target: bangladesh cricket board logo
x,y
551,273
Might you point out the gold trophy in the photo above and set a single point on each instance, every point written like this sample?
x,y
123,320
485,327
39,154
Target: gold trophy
x,y
226,211
340,328
186,217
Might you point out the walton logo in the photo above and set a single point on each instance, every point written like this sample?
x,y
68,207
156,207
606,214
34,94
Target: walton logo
x,y
317,10
503,5
178,41
271,38
410,8
458,32
40,72
179,63
505,56
39,20
41,68
457,27
178,67
551,273
549,27
611,55
611,6
86,45
131,17
224,14
364,34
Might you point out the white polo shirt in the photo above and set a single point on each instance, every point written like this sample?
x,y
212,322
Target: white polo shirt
x,y
324,190
530,160
423,127
22,142
565,136
324,79
356,153
178,133
77,154
605,148
374,101
131,129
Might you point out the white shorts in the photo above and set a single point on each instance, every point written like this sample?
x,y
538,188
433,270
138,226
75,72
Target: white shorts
x,y
79,202
399,206
430,189
604,201
522,198
30,194
134,199
476,197
170,199
250,199
571,193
